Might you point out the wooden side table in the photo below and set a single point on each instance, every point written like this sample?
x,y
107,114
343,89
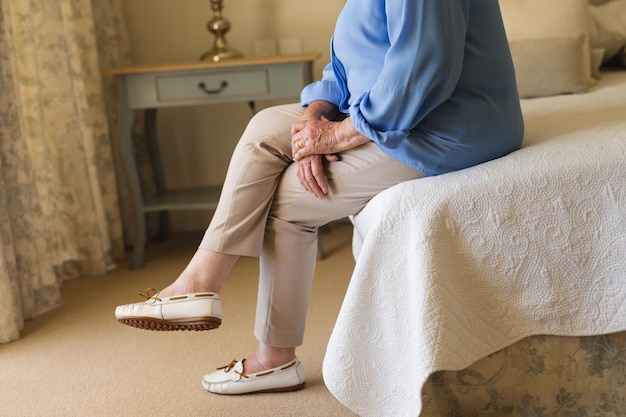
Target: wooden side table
x,y
150,87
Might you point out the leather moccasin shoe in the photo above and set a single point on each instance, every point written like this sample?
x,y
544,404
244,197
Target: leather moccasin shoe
x,y
199,311
231,379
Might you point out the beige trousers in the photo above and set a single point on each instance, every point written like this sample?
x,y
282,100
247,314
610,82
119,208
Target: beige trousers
x,y
263,211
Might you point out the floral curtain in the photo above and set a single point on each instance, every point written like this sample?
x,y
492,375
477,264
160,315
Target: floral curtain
x,y
60,210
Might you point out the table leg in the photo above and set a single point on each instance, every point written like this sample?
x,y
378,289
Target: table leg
x,y
128,158
157,168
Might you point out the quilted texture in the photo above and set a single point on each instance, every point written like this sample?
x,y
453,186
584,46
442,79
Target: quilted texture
x,y
455,267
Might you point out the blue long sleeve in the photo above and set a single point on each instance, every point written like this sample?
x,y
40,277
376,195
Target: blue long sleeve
x,y
430,81
326,89
421,68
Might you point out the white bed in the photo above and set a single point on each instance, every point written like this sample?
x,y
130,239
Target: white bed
x,y
501,289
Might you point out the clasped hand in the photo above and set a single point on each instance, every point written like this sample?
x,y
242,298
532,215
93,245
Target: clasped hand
x,y
312,140
315,138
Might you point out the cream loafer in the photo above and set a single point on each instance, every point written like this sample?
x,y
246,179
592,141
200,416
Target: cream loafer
x,y
231,379
199,311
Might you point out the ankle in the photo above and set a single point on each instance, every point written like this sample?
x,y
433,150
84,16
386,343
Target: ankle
x,y
268,357
184,285
205,272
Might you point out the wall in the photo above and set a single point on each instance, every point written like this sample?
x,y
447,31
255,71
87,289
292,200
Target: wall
x,y
196,142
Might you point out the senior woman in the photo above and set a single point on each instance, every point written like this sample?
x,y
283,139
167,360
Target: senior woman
x,y
414,88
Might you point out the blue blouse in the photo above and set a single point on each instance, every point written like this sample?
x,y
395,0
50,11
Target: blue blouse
x,y
431,82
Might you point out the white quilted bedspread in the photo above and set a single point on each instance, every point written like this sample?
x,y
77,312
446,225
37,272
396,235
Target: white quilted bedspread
x,y
456,267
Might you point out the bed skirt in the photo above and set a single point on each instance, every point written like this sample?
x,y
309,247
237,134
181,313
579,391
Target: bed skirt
x,y
537,376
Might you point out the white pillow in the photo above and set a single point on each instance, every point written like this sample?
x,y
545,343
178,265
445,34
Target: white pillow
x,y
597,57
532,19
602,38
607,27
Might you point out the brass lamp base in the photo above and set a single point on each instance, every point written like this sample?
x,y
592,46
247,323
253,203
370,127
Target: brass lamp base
x,y
217,55
219,26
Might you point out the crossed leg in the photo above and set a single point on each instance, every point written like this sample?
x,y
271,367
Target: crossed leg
x,y
263,211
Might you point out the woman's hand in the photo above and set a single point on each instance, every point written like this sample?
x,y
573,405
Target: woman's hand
x,y
323,137
314,138
311,174
311,170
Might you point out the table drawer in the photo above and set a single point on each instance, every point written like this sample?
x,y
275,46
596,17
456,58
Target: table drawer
x,y
212,85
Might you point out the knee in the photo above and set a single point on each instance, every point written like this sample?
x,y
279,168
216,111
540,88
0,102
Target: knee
x,y
275,118
270,128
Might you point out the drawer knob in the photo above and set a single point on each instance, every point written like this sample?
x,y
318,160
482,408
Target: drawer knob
x,y
223,85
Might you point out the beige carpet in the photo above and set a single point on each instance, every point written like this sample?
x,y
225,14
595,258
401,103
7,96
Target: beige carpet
x,y
78,361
